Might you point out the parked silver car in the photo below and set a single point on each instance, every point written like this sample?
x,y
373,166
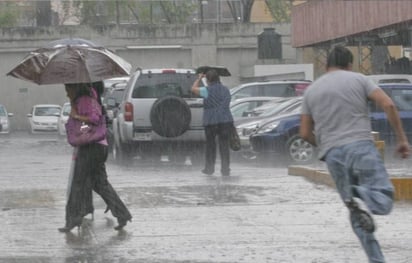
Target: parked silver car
x,y
4,119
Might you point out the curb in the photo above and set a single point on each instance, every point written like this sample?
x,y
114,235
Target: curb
x,y
403,186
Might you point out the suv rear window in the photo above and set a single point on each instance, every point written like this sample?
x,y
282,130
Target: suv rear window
x,y
159,85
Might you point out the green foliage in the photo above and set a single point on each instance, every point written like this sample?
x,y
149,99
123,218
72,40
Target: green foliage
x,y
7,19
8,14
280,10
110,11
177,12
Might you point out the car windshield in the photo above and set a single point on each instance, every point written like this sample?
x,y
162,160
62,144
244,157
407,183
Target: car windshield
x,y
46,111
240,109
394,81
402,97
283,106
159,85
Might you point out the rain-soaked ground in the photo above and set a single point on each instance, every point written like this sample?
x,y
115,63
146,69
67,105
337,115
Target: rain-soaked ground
x,y
259,214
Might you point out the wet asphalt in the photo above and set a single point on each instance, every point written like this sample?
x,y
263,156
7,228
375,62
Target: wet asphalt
x,y
259,214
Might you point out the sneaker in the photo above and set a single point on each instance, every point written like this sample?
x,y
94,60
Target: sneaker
x,y
360,211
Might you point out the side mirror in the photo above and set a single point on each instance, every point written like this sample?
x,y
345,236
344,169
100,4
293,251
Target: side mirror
x,y
10,114
29,115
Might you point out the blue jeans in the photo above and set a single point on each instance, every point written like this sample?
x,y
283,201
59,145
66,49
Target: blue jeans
x,y
359,171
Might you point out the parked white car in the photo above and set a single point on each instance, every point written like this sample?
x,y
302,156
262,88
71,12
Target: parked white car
x,y
44,118
390,78
4,120
64,116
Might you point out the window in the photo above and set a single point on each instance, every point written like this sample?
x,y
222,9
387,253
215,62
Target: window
x,y
403,99
248,91
394,81
46,111
279,90
159,85
242,109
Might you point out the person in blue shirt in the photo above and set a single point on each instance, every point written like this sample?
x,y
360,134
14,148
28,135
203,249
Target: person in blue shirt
x,y
217,120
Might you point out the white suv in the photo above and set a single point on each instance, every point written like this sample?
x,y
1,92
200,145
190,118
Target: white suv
x,y
159,115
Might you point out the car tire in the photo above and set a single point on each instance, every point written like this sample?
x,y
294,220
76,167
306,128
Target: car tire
x,y
300,151
170,116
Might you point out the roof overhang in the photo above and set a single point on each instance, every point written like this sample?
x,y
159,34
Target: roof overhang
x,y
326,22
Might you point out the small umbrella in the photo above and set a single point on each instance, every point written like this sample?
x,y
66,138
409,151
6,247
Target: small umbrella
x,y
222,71
70,61
71,42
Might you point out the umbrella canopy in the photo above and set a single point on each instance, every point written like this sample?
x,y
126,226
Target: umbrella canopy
x,y
71,42
222,71
62,63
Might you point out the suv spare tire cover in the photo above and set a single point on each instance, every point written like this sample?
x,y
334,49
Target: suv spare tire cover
x,y
170,116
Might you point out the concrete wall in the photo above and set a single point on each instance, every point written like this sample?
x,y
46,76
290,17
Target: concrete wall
x,y
145,46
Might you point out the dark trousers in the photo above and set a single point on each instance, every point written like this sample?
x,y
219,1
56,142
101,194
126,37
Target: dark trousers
x,y
220,131
90,175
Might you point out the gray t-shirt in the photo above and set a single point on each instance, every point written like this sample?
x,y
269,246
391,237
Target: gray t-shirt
x,y
337,102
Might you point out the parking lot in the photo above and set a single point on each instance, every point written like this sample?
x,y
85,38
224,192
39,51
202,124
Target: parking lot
x,y
258,214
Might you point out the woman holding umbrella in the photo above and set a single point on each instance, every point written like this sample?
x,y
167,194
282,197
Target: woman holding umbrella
x,y
217,119
89,172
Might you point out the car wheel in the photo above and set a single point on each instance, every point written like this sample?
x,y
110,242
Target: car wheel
x,y
300,151
170,116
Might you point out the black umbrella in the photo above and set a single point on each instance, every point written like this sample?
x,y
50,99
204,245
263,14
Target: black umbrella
x,y
222,71
71,60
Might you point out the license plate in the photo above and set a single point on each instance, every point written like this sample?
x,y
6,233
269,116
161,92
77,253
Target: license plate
x,y
143,136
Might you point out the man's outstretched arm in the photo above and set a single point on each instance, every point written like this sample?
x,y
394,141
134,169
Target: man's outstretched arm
x,y
386,103
306,129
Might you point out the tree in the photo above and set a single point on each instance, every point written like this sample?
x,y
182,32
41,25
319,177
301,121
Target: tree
x,y
280,10
177,12
115,11
43,13
247,9
8,15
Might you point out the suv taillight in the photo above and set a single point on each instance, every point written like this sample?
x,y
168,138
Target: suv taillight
x,y
128,112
